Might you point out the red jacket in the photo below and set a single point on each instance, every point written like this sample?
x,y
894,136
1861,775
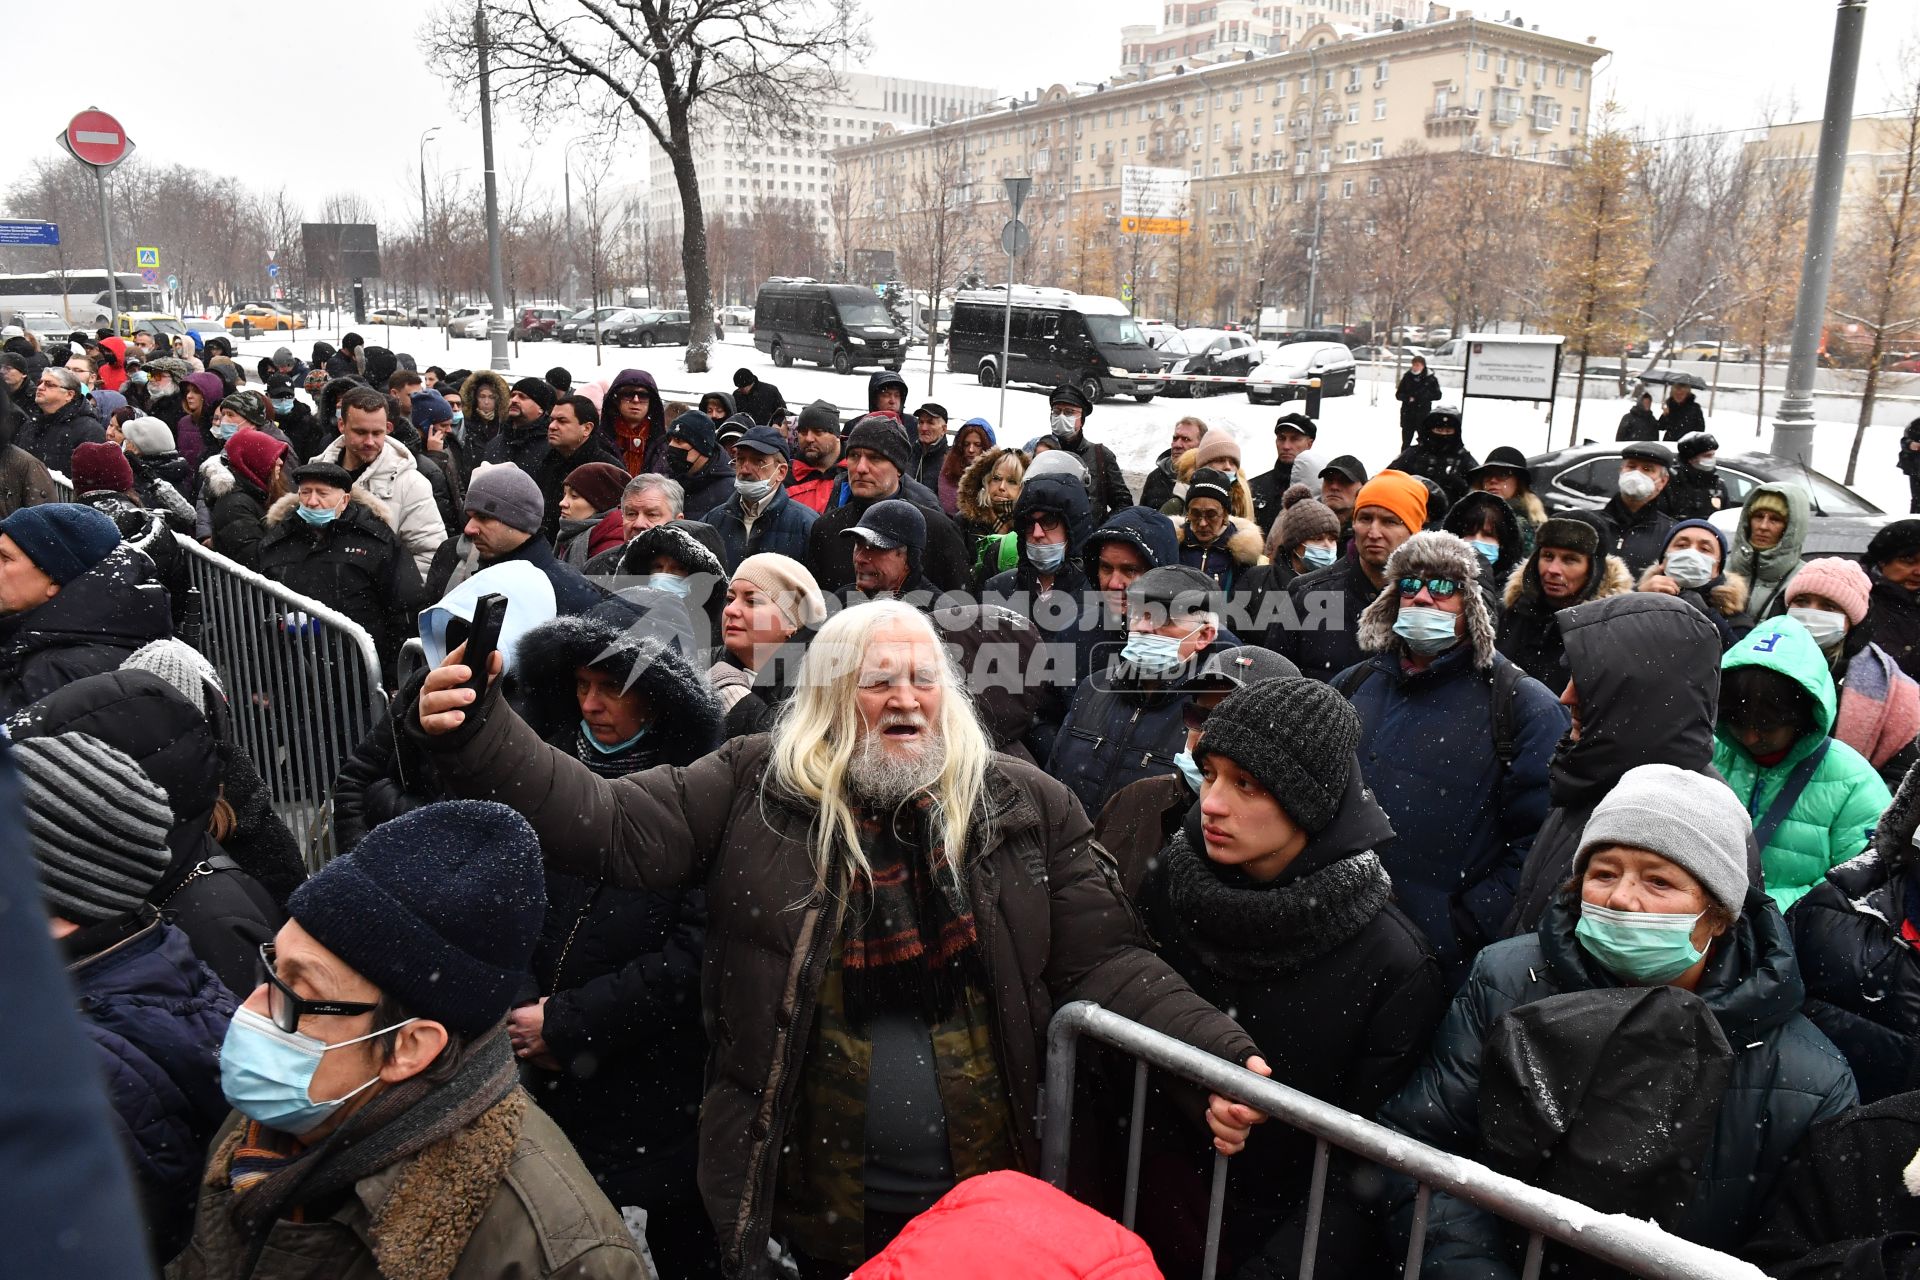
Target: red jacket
x,y
1008,1224
811,488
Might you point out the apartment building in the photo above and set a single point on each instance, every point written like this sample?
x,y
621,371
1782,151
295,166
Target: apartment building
x,y
1876,154
1203,31
738,170
1262,136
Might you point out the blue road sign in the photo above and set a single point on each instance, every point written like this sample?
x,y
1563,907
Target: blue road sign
x,y
173,282
28,231
273,269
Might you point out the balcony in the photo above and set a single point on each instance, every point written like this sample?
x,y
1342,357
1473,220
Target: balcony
x,y
1231,144
1542,124
1449,121
1503,117
1299,168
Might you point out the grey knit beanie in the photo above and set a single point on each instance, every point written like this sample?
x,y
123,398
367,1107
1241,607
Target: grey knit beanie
x,y
180,665
1689,819
1297,736
148,436
96,823
503,492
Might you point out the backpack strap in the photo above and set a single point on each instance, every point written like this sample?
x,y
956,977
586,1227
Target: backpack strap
x,y
1506,687
1348,682
1789,795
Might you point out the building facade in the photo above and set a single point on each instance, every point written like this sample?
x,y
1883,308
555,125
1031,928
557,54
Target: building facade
x,y
1270,143
1196,32
738,171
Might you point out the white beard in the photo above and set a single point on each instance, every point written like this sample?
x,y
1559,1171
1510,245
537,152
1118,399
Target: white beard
x,y
880,776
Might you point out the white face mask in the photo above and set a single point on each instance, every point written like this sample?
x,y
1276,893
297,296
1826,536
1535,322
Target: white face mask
x,y
1827,628
1636,486
1063,427
1690,568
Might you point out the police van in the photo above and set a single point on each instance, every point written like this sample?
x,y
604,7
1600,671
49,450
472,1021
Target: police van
x,y
841,325
1057,337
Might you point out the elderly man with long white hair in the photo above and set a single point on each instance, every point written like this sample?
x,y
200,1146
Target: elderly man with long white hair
x,y
894,913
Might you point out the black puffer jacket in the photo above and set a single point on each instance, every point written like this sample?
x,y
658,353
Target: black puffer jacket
x,y
238,508
1316,629
1530,624
1894,614
1465,519
1862,972
1786,1079
620,968
355,564
1647,667
523,444
1441,459
1321,946
1679,418
52,437
226,912
1693,493
95,622
1845,1209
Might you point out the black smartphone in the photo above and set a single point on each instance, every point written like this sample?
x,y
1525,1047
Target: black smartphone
x,y
483,637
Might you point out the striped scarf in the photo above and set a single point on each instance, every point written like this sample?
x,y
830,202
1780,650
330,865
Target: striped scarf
x,y
262,1152
911,941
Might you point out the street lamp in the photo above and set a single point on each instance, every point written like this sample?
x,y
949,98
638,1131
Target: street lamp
x,y
426,232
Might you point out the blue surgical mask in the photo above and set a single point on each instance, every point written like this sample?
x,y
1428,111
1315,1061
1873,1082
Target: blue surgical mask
x,y
225,431
1638,946
1046,556
1152,656
266,1073
318,515
1426,631
586,732
1189,770
754,491
459,419
672,583
1489,551
283,406
1318,557
138,375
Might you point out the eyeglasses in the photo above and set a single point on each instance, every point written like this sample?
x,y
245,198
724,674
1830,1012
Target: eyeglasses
x,y
634,393
1047,522
1438,588
285,1009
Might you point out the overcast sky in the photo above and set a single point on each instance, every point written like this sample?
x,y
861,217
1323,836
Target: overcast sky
x,y
331,97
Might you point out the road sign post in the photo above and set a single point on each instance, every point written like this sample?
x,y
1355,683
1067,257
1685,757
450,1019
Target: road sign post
x,y
28,231
1014,238
96,140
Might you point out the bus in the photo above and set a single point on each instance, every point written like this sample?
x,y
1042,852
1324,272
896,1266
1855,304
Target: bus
x,y
79,297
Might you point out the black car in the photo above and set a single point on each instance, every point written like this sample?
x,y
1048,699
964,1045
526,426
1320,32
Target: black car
x,y
651,329
578,327
1204,353
1586,477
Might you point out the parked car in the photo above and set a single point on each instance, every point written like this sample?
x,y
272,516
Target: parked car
x,y
737,317
1408,333
651,328
1203,353
1057,337
469,322
1157,332
1284,374
1437,335
1388,355
578,327
1586,477
1346,336
839,325
422,316
1451,354
257,316
388,315
536,324
47,326
1731,352
163,326
281,305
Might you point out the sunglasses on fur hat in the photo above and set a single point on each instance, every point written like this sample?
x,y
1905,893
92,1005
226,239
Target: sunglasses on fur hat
x,y
1438,588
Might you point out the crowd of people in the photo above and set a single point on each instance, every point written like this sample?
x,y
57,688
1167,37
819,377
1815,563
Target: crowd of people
x,y
716,924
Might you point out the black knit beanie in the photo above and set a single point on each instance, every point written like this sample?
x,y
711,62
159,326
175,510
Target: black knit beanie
x,y
439,908
96,824
1296,736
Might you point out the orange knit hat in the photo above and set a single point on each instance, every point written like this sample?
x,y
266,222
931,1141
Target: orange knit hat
x,y
1399,493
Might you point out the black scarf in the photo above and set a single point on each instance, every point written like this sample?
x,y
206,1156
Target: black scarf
x,y
1243,929
912,942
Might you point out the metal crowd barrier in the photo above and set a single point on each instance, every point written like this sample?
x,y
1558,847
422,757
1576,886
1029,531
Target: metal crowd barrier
x,y
1639,1247
302,683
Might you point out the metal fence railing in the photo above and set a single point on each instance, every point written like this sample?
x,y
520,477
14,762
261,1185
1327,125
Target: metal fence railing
x,y
1639,1247
302,682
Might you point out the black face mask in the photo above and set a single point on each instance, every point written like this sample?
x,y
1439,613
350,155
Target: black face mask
x,y
679,463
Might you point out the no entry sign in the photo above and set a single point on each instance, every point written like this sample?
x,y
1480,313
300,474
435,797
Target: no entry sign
x,y
96,138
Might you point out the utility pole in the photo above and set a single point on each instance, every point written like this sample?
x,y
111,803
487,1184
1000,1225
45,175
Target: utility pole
x,y
426,228
1793,421
1313,260
496,274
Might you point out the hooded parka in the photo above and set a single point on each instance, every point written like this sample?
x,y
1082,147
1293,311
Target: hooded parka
x,y
1768,572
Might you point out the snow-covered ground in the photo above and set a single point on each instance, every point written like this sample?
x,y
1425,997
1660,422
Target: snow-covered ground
x,y
1365,424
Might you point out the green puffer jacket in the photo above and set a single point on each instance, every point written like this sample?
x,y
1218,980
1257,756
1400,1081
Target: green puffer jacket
x,y
1842,802
1767,571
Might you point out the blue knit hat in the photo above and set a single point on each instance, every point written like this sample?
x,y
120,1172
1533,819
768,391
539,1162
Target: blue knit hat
x,y
698,431
1700,524
63,539
429,407
439,908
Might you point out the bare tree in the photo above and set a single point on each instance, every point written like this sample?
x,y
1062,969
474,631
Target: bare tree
x,y
1600,250
1399,222
1879,279
932,230
1772,233
667,65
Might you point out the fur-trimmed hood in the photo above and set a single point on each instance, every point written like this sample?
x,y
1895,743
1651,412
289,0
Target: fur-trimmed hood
x,y
1430,554
971,498
477,379
1243,540
1242,495
686,715
694,545
1893,838
1726,593
284,505
330,399
1524,582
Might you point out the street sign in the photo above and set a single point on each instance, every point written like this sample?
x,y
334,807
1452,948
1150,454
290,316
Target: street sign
x,y
173,282
146,257
1126,293
273,270
1014,238
1155,226
150,275
1016,189
96,138
28,231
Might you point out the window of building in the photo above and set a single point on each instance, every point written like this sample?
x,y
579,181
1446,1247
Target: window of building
x,y
1380,71
1279,89
1520,69
1375,186
1379,148
1306,83
1326,79
1353,77
1196,168
1353,113
1216,169
1560,74
1259,92
1350,152
1579,77
1573,118
1346,189
1256,126
1503,64
1480,58
1379,108
1236,98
